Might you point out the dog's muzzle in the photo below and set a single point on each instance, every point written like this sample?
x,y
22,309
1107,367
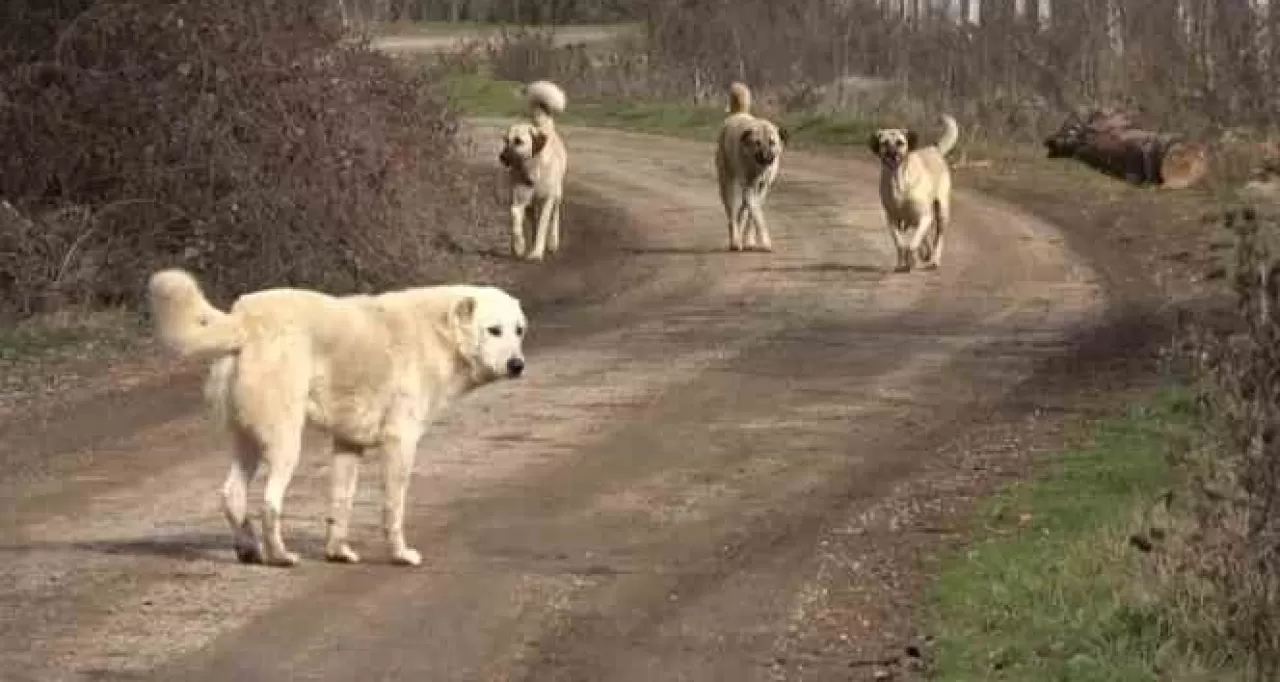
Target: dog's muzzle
x,y
515,367
506,158
765,158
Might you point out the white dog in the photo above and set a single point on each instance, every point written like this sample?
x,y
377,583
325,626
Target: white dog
x,y
371,371
536,160
915,190
748,155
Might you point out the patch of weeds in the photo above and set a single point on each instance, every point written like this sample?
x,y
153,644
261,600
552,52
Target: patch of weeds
x,y
1049,591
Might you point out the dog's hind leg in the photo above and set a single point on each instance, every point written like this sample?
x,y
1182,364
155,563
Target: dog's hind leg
x,y
247,457
343,479
544,225
282,450
758,233
734,212
941,223
553,239
398,454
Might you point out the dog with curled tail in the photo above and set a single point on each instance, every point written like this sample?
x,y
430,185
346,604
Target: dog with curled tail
x,y
748,156
536,160
372,372
915,191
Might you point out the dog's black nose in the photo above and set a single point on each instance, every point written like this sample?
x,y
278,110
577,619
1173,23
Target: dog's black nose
x,y
515,366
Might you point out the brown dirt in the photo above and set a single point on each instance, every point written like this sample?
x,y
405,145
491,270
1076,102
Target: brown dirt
x,y
720,467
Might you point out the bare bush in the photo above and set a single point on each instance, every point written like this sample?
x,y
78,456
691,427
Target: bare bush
x,y
1221,567
249,140
1007,68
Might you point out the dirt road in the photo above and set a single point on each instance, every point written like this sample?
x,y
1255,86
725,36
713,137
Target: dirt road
x,y
659,499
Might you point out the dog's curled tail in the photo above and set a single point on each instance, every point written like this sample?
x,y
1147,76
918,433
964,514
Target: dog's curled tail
x,y
185,321
950,134
545,98
739,98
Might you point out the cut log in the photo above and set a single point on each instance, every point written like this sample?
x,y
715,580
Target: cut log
x,y
1109,141
1183,164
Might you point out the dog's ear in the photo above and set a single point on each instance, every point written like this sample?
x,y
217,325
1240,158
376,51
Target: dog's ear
x,y
539,141
873,143
913,140
462,313
784,135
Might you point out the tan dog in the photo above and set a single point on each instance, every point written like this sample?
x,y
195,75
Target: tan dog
x,y
748,155
536,160
371,371
915,190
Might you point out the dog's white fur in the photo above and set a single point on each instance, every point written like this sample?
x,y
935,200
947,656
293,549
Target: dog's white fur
x,y
748,156
915,190
370,371
536,160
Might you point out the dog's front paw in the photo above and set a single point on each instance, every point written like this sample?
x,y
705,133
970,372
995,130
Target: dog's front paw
x,y
535,256
342,554
406,556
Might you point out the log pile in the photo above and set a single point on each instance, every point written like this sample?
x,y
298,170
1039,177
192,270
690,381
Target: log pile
x,y
1110,142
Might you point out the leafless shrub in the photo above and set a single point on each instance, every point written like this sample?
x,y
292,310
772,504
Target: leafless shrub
x,y
1007,68
248,140
1222,563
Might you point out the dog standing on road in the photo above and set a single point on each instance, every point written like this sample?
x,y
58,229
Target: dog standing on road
x,y
915,190
371,371
536,160
748,155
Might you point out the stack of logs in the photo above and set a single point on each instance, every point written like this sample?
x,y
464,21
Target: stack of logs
x,y
1109,141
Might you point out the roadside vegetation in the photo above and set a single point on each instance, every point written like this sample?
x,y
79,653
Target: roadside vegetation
x,y
256,144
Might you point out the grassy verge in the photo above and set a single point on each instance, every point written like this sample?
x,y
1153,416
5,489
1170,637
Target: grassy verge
x,y
470,27
480,95
1051,588
49,337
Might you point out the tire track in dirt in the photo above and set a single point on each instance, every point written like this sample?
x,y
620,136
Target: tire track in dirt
x,y
638,508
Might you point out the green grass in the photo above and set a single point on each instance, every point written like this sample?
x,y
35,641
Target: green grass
x,y
59,336
477,28
480,95
1051,588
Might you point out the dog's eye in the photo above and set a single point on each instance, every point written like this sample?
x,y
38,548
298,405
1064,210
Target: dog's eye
x,y
519,331
495,331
